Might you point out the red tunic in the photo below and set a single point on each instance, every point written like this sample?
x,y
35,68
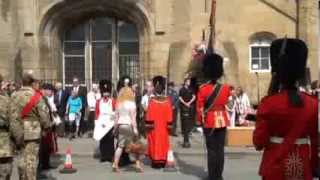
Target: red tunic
x,y
219,106
159,115
276,117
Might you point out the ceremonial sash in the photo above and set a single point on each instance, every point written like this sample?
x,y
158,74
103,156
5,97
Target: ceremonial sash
x,y
210,101
212,98
31,104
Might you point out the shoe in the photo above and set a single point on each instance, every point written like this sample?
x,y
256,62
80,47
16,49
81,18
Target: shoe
x,y
115,169
139,169
186,145
174,134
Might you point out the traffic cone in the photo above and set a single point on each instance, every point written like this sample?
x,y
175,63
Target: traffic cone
x,y
67,167
171,164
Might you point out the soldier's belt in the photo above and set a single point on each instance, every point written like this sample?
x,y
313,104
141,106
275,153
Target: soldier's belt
x,y
299,141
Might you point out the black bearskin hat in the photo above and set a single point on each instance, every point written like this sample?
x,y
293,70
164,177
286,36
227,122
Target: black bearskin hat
x,y
105,86
48,86
159,82
289,59
212,66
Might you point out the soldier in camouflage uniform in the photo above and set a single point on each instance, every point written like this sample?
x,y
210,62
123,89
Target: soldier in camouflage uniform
x,y
31,123
6,148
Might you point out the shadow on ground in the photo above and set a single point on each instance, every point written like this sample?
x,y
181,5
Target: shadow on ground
x,y
190,169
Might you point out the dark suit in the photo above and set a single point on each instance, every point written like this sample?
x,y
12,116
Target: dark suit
x,y
82,93
60,100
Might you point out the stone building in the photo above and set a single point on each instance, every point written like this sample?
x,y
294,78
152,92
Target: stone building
x,y
95,39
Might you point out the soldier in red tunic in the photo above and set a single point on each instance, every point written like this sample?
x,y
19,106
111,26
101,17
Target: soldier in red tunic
x,y
158,121
212,98
286,127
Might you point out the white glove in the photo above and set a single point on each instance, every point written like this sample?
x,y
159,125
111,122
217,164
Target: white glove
x,y
135,131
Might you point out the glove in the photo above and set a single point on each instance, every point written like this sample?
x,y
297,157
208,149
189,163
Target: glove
x,y
135,131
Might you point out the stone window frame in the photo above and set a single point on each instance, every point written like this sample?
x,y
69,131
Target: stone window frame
x,y
259,44
88,52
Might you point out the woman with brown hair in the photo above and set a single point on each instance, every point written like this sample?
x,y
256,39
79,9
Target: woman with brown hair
x,y
125,125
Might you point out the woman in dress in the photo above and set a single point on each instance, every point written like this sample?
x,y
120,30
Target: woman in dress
x,y
125,124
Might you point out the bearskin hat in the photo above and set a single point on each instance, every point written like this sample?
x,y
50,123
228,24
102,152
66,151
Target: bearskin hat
x,y
105,86
212,66
289,59
159,81
48,86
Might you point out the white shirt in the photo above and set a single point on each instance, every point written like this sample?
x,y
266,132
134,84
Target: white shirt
x,y
51,103
76,89
124,111
243,103
145,100
92,98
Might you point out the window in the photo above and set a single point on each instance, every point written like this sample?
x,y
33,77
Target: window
x,y
128,51
260,56
100,48
74,54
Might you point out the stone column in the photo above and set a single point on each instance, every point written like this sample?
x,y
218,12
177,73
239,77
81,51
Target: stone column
x,y
29,44
308,31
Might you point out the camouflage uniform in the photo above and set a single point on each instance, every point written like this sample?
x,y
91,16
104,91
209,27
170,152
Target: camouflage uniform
x,y
29,135
6,150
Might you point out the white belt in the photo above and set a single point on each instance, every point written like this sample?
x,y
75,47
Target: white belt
x,y
299,141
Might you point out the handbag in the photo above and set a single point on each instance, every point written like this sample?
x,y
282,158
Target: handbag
x,y
136,147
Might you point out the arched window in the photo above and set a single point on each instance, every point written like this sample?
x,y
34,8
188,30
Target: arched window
x,y
259,52
100,48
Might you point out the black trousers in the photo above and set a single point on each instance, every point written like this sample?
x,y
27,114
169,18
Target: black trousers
x,y
174,121
83,124
91,118
44,156
186,116
215,141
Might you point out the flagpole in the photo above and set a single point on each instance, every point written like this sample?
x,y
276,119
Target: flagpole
x,y
213,23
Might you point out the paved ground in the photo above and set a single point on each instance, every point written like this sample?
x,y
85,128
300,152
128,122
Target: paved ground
x,y
241,164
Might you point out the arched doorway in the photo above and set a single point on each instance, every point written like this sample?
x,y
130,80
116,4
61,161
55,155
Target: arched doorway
x,y
100,48
95,39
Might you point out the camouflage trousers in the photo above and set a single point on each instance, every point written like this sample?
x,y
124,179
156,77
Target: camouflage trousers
x,y
28,161
6,169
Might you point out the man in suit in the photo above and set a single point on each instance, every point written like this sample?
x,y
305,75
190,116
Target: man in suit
x,y
60,100
82,93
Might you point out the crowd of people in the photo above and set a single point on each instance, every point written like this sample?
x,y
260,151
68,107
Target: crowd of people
x,y
34,115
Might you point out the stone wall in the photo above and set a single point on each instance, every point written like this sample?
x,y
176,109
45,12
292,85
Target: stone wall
x,y
31,33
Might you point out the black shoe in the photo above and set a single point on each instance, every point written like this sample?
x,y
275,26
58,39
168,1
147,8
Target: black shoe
x,y
174,134
186,145
48,167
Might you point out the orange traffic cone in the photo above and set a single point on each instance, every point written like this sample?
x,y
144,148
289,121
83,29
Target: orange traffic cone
x,y
67,167
171,164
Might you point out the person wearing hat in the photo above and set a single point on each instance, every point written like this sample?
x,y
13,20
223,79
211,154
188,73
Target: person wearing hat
x,y
104,121
286,127
158,122
212,98
29,116
48,143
